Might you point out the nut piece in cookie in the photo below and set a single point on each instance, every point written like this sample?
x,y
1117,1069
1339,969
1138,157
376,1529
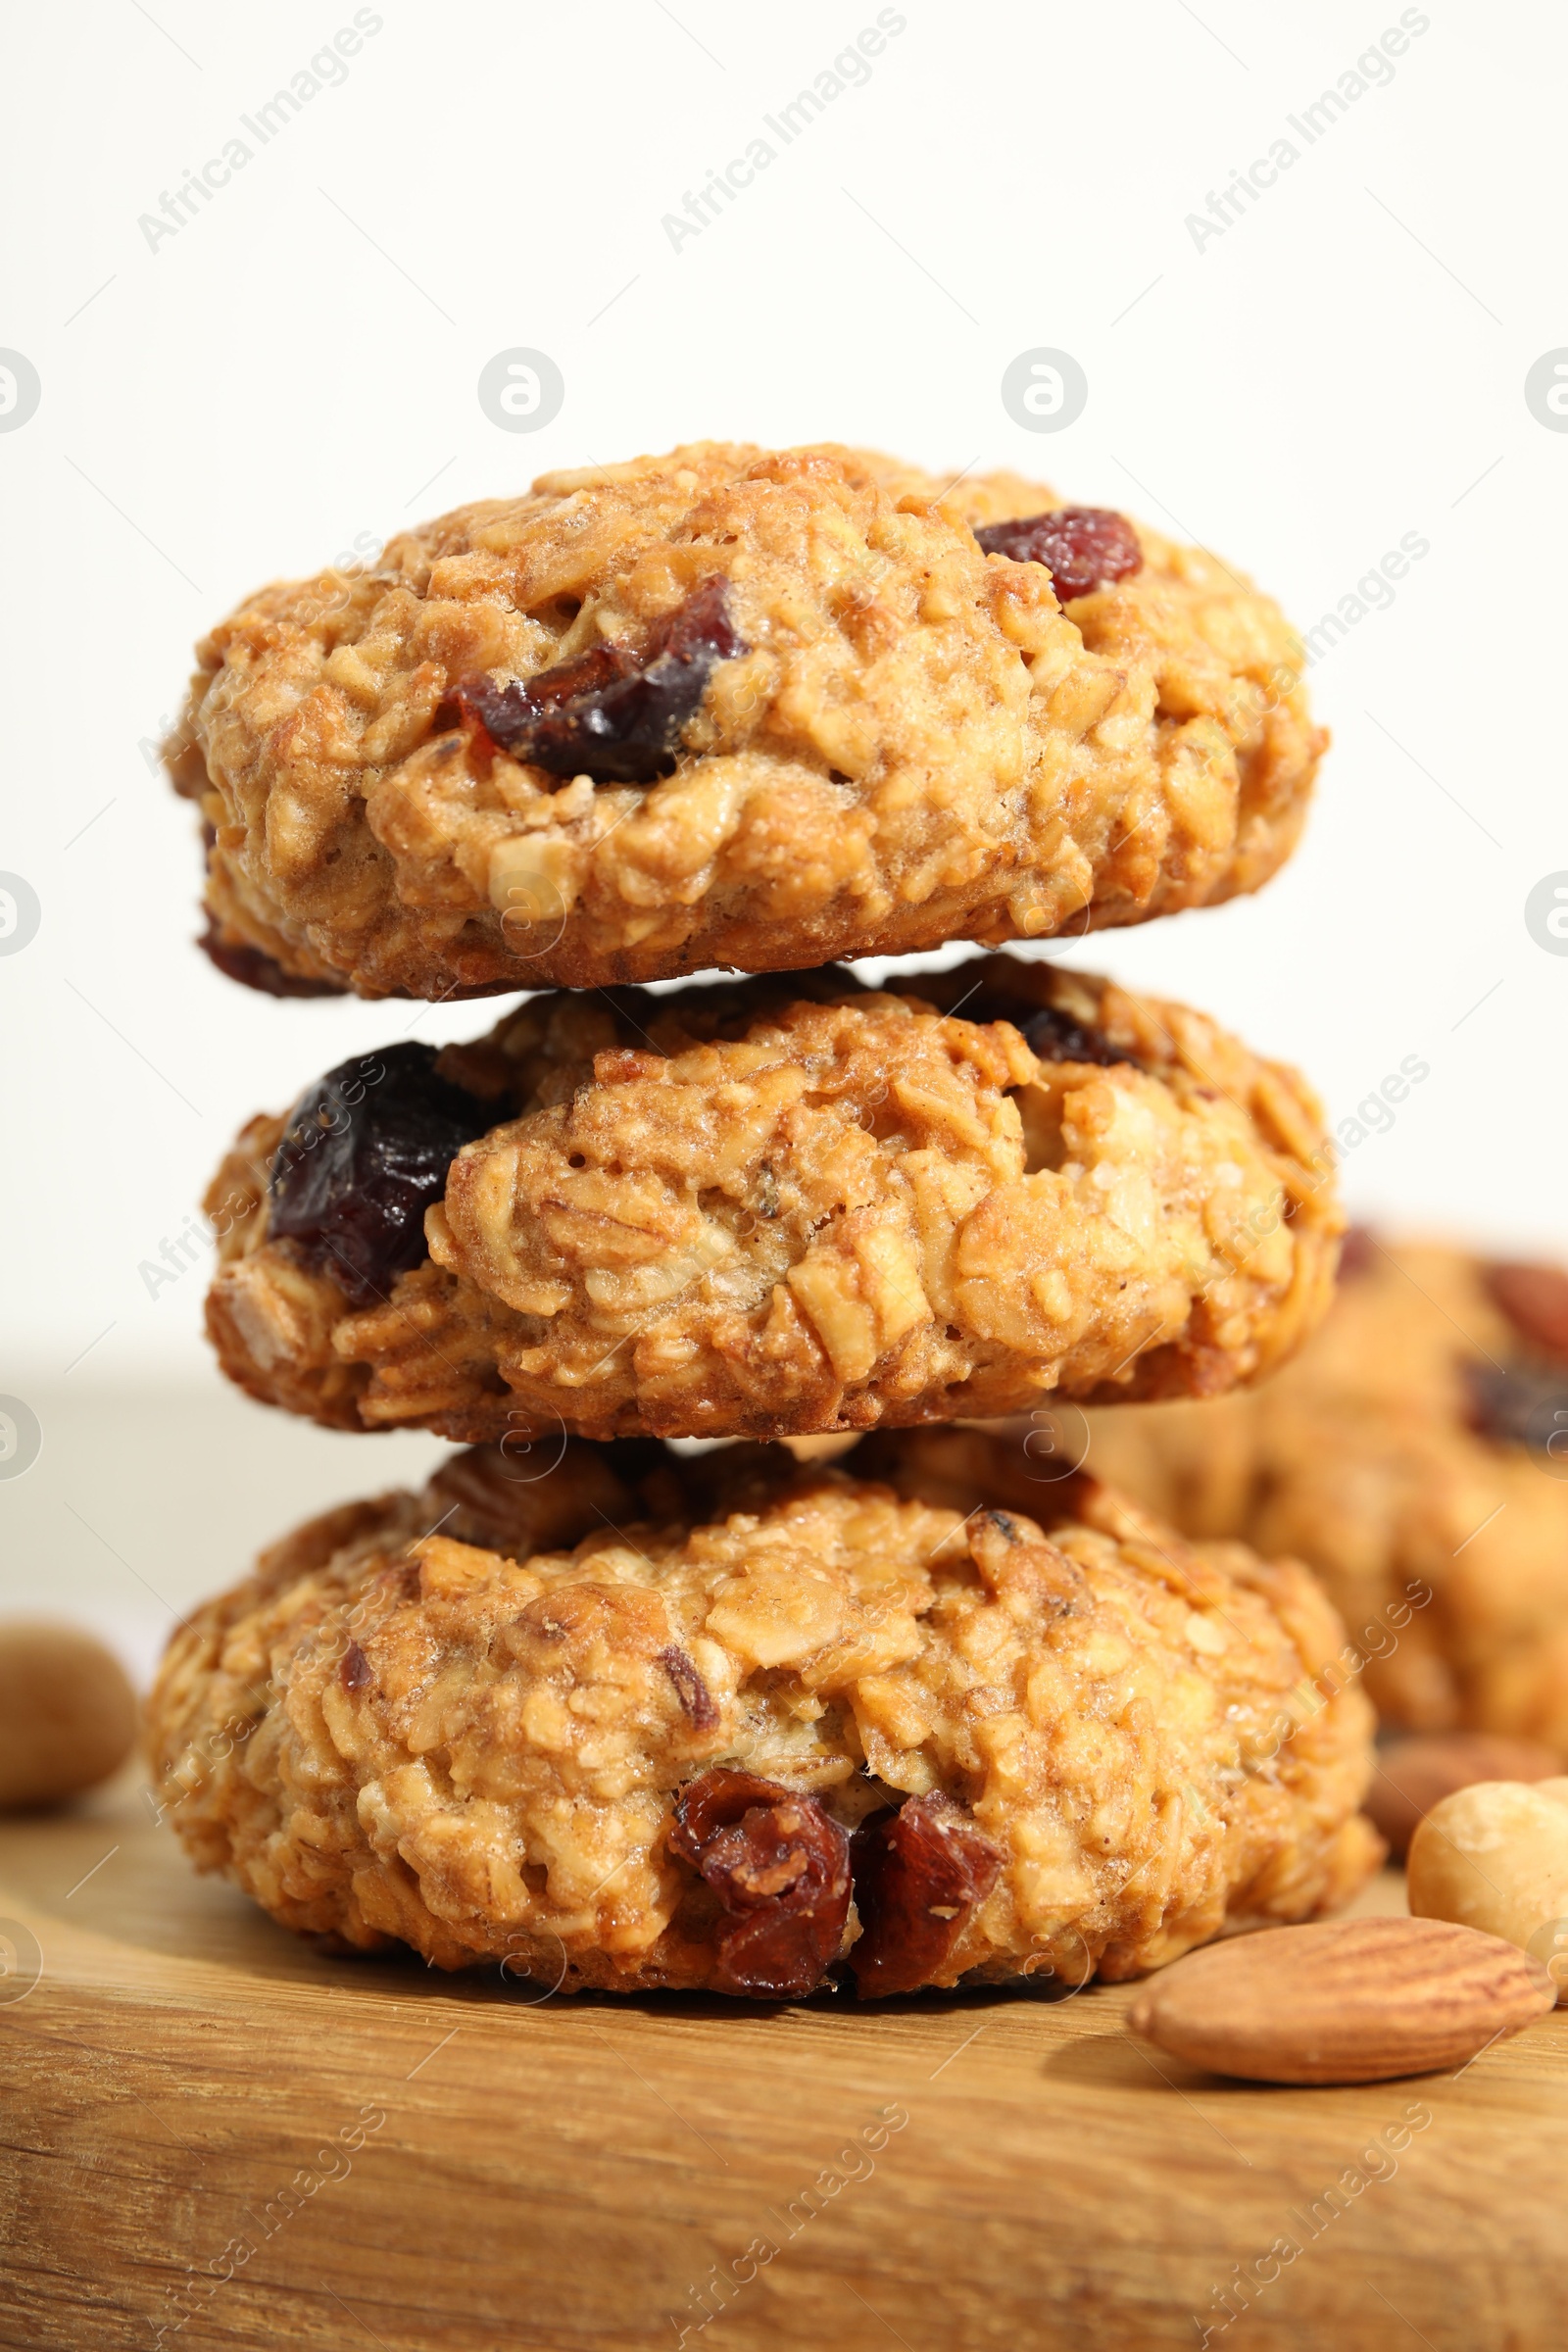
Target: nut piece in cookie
x,y
735,707
778,1207
736,1724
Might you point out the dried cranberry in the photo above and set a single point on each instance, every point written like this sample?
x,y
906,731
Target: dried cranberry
x,y
1518,1404
696,1698
918,1875
1081,547
1535,1301
252,967
613,713
364,1153
781,1871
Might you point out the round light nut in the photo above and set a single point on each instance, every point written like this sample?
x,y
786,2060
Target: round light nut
x,y
68,1714
1343,2000
1495,1857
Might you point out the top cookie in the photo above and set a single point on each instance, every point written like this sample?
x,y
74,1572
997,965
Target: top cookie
x,y
736,706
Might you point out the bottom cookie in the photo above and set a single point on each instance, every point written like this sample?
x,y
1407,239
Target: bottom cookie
x,y
739,1725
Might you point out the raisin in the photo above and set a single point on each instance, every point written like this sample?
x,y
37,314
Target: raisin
x,y
614,713
1056,1037
1517,1404
919,1875
252,967
1535,1301
355,1671
540,1490
781,1871
696,1698
1081,547
1054,1034
364,1153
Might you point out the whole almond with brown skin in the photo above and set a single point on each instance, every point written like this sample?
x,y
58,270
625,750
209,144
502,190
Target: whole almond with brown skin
x,y
1413,1775
1343,2000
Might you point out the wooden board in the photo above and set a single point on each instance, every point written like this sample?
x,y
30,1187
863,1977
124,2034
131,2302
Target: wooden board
x,y
190,2091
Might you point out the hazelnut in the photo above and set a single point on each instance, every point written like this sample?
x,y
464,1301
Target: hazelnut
x,y
1495,1857
68,1714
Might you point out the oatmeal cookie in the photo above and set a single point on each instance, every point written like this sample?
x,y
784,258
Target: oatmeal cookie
x,y
774,1207
631,1722
1414,1454
735,707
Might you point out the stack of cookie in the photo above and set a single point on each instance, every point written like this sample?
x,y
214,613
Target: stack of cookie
x,y
621,1711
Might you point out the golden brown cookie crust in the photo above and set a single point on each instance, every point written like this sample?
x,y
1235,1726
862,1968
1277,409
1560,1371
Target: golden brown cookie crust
x,y
774,1208
919,742
476,1748
1445,1548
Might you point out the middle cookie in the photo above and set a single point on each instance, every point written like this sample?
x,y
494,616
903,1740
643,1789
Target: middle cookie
x,y
778,1207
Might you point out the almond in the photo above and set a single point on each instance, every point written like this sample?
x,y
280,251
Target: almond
x,y
1344,2000
1413,1775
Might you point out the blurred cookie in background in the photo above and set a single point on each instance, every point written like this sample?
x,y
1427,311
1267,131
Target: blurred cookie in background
x,y
1416,1456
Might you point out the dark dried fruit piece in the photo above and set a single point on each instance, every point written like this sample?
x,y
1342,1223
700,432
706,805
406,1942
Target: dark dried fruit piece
x,y
253,968
541,1490
781,1871
1535,1299
1083,548
1052,1034
696,1698
1519,1405
1359,1253
355,1672
1056,1037
918,1875
614,713
364,1153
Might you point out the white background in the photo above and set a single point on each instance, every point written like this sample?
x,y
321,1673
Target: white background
x,y
296,367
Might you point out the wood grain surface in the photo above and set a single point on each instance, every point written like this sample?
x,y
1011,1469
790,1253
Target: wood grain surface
x,y
211,2132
